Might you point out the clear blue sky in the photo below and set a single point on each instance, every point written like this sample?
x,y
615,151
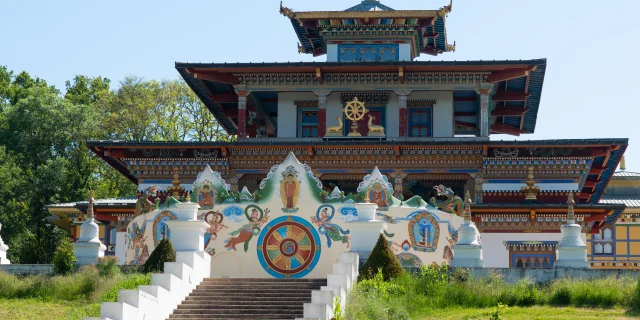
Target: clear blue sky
x,y
591,46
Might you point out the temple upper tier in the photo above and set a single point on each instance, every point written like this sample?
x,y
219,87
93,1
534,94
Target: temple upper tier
x,y
371,31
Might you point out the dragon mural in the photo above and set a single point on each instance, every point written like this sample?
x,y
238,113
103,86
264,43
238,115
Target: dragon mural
x,y
453,203
144,204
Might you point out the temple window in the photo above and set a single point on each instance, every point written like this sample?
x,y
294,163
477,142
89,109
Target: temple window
x,y
112,236
308,122
420,122
598,248
367,52
603,242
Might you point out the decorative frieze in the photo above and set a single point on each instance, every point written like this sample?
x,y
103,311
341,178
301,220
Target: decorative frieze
x,y
368,98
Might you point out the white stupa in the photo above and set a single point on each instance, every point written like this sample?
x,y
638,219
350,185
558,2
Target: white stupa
x,y
88,248
467,252
3,250
571,251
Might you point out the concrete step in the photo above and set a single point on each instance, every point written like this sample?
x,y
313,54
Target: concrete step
x,y
235,306
233,317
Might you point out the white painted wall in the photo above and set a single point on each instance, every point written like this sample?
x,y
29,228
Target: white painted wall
x,y
495,253
405,52
332,53
288,113
121,247
442,111
392,125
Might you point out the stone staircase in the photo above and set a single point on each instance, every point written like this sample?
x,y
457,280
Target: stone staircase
x,y
248,299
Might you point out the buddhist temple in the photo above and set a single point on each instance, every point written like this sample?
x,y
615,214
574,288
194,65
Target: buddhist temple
x,y
371,124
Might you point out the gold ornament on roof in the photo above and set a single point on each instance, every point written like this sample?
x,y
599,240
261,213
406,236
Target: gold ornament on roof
x,y
286,11
467,206
176,190
355,111
531,190
570,214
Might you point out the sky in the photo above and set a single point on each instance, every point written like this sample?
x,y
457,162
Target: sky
x,y
591,47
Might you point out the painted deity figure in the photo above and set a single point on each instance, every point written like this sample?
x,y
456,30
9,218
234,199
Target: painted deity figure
x,y
144,203
290,191
378,195
207,196
137,243
331,230
214,220
244,234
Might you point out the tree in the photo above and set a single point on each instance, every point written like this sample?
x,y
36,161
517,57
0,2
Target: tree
x,y
64,260
162,253
381,258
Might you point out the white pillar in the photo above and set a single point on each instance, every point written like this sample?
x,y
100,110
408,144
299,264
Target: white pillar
x,y
467,252
3,250
571,251
484,122
366,230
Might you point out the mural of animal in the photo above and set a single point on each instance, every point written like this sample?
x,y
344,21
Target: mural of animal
x,y
144,204
336,129
374,127
453,203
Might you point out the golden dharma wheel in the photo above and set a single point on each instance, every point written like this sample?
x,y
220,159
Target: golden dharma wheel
x,y
355,110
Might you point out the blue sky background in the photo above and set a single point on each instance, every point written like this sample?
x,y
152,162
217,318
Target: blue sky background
x,y
590,89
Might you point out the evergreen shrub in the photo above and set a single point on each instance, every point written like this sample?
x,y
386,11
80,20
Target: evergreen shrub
x,y
108,266
164,252
381,258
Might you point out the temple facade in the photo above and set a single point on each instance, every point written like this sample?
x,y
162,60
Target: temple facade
x,y
371,124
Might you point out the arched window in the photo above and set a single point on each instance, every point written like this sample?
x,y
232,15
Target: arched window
x,y
598,248
519,263
607,234
536,263
545,263
608,248
528,264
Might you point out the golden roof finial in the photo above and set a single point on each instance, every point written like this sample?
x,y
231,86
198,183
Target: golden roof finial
x,y
446,9
467,206
531,190
286,11
176,190
570,215
89,214
623,164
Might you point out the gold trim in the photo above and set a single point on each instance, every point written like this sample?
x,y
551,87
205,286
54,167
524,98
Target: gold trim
x,y
400,14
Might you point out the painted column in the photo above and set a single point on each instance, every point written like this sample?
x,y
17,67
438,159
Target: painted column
x,y
322,111
242,113
478,186
398,184
485,91
403,118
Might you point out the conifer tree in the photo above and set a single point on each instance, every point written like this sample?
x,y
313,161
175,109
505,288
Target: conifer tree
x,y
381,258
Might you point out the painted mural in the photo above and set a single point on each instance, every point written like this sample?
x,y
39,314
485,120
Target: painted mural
x,y
291,228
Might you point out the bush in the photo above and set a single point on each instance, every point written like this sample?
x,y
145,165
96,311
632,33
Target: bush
x,y
382,258
63,258
108,266
163,253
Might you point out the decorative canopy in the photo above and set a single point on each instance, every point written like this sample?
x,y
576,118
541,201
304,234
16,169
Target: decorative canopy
x,y
425,29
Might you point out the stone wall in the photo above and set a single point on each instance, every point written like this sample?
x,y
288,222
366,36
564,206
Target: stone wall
x,y
27,269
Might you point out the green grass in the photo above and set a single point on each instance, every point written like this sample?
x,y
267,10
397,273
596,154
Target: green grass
x,y
62,297
435,292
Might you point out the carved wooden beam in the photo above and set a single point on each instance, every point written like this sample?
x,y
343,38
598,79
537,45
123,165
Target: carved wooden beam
x,y
465,114
506,129
508,111
401,75
229,97
510,96
507,74
216,77
319,76
431,34
431,51
465,99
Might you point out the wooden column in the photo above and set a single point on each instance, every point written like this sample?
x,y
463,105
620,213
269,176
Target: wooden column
x,y
242,114
322,111
485,91
404,113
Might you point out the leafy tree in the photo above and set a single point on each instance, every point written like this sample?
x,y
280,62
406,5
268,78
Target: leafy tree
x,y
381,258
64,260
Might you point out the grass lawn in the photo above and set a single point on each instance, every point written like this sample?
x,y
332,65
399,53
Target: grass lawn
x,y
533,313
28,309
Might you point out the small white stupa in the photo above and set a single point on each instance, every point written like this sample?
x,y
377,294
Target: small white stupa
x,y
467,252
88,248
571,251
3,250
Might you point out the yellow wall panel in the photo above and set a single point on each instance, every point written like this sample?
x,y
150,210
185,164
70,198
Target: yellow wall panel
x,y
634,232
634,248
621,248
605,258
588,246
621,233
